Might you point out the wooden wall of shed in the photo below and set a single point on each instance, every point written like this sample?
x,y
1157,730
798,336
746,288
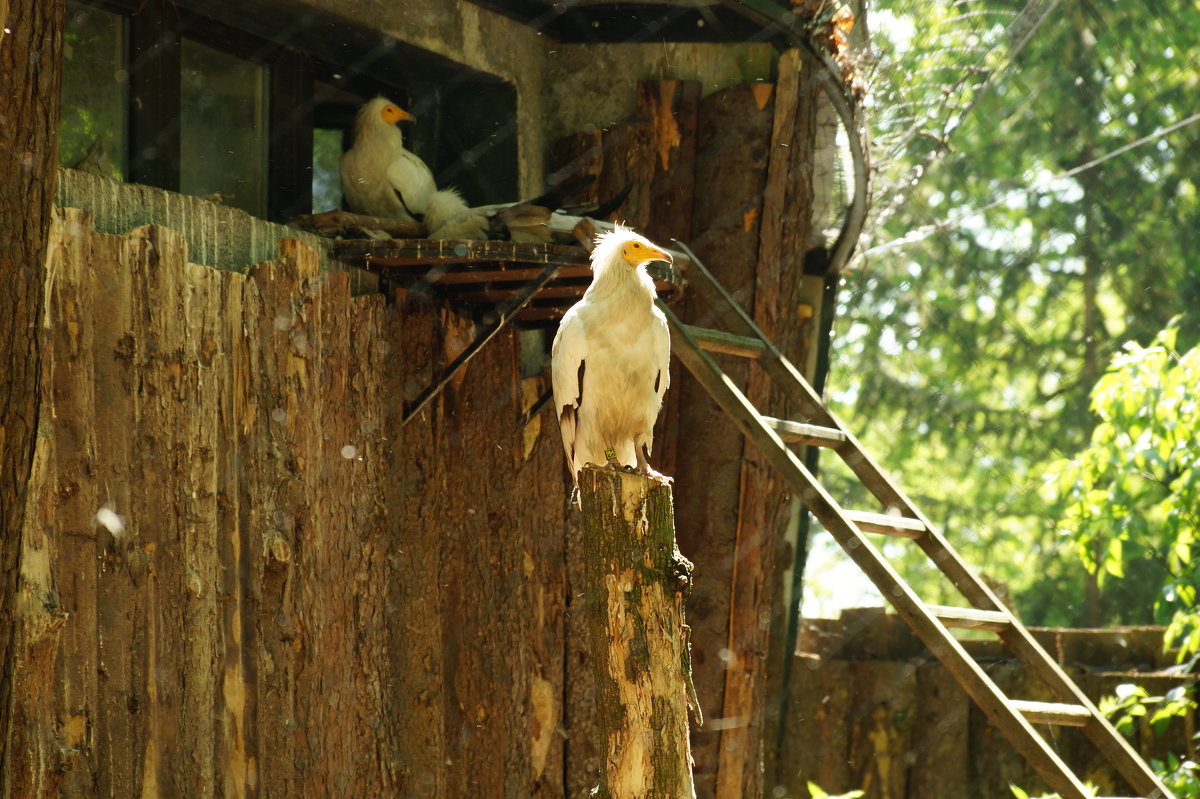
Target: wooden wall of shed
x,y
288,594
730,174
870,709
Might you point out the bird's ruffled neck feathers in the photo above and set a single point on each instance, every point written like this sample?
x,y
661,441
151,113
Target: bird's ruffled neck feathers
x,y
370,117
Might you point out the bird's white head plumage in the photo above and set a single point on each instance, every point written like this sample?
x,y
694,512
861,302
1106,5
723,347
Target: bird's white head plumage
x,y
380,116
620,255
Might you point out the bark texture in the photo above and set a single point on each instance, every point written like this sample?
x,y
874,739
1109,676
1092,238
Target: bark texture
x,y
249,578
636,581
30,81
787,308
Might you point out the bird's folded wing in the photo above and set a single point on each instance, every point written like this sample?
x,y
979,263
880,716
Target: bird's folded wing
x,y
412,180
567,359
662,352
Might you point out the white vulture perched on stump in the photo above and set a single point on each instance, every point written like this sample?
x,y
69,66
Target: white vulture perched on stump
x,y
610,358
381,178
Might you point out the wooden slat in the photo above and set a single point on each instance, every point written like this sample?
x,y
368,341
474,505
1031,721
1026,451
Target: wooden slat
x,y
499,293
487,273
727,343
972,618
391,252
456,274
896,526
803,433
1056,713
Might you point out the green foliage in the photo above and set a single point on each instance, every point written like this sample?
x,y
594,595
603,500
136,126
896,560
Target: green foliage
x,y
1132,703
1182,777
1009,257
1133,706
1131,499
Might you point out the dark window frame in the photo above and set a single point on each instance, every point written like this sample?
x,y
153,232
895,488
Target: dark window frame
x,y
155,30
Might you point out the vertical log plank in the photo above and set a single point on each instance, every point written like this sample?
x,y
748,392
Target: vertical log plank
x,y
669,109
759,616
72,499
416,633
733,131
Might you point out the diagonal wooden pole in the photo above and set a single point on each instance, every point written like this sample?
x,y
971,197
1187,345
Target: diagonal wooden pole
x,y
636,581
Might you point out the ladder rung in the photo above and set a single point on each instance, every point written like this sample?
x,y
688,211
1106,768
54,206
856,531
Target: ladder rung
x,y
727,343
897,526
972,618
803,433
1052,713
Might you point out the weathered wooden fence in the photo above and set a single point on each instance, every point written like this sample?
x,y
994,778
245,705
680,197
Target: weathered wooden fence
x,y
869,709
242,577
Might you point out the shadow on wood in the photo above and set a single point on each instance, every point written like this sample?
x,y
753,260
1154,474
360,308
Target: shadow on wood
x,y
636,582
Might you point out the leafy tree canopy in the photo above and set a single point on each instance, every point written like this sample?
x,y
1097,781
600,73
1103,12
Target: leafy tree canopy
x,y
1036,207
1132,496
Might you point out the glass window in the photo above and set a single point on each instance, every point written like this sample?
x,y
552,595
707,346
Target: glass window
x,y
93,132
327,181
223,142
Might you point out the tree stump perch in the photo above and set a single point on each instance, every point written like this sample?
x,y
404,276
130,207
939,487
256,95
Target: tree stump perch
x,y
636,582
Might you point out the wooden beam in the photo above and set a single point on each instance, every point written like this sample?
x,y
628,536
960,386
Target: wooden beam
x,y
503,316
733,128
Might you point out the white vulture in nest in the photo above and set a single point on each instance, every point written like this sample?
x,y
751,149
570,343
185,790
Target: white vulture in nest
x,y
610,358
381,178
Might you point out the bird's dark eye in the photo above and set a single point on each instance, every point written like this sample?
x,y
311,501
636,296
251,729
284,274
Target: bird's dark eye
x,y
636,245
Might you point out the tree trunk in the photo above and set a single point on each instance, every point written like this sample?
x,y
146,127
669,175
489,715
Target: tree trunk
x,y
787,308
636,580
30,81
732,153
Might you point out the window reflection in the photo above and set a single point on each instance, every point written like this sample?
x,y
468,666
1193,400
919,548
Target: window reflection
x,y
93,132
222,128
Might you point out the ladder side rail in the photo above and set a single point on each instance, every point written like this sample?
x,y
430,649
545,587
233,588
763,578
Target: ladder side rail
x,y
865,467
932,632
1041,665
1103,735
785,374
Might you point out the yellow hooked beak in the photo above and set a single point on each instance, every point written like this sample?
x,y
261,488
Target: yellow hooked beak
x,y
638,254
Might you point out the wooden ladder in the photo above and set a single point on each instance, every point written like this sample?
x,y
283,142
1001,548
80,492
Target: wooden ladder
x,y
900,518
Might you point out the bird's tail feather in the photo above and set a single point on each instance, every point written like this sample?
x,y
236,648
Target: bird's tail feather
x,y
445,205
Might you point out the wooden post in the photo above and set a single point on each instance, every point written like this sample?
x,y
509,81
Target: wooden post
x,y
636,582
